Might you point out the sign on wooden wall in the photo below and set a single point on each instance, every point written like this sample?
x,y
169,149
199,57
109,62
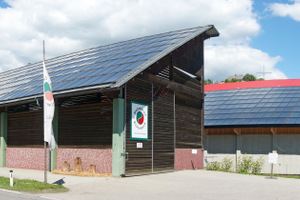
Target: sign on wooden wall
x,y
139,121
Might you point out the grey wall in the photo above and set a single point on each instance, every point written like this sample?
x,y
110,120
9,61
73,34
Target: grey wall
x,y
288,144
220,144
253,143
256,144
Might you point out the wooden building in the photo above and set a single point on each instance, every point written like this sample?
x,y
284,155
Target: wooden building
x,y
254,118
128,108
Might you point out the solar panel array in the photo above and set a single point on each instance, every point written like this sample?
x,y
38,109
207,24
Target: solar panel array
x,y
96,66
256,106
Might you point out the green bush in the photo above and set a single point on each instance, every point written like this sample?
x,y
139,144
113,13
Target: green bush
x,y
215,166
246,164
227,165
257,165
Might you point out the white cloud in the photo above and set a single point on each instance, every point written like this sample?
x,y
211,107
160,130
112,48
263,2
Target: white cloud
x,y
224,61
69,26
283,10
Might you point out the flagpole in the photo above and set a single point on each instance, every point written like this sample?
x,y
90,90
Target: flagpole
x,y
45,172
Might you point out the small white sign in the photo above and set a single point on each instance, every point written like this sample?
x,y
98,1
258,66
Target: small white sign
x,y
194,151
139,145
273,157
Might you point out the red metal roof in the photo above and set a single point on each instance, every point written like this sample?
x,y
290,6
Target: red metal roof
x,y
252,84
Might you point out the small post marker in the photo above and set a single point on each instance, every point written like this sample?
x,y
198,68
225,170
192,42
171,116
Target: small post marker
x,y
11,178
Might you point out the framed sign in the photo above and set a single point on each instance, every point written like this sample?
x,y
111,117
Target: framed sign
x,y
139,121
273,157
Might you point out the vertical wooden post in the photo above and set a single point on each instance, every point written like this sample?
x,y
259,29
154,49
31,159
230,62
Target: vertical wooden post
x,y
272,170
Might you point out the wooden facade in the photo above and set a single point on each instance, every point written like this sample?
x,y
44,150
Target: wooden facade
x,y
171,86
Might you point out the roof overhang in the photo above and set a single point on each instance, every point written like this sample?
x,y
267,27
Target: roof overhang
x,y
209,30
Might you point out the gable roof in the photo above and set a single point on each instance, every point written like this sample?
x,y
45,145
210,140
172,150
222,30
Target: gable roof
x,y
108,66
253,104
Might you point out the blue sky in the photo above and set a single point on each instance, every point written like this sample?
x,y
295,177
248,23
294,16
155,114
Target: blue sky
x,y
3,4
253,34
280,36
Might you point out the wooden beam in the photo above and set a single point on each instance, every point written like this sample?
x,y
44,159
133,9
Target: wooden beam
x,y
274,130
177,87
237,131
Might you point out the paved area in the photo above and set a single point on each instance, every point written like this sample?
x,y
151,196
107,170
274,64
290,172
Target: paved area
x,y
179,185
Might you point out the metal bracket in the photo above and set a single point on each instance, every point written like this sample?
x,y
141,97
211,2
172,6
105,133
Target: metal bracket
x,y
126,156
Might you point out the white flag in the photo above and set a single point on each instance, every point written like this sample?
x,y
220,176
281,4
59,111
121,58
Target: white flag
x,y
48,110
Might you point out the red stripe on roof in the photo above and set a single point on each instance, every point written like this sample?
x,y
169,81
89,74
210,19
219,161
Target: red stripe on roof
x,y
252,84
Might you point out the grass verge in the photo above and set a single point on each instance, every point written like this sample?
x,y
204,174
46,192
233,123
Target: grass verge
x,y
283,176
26,185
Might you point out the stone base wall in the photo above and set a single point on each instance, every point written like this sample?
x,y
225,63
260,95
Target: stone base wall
x,y
26,158
188,159
102,158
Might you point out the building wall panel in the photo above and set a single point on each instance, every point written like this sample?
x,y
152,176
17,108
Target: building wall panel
x,y
185,159
220,143
85,126
102,158
26,158
25,129
139,159
163,124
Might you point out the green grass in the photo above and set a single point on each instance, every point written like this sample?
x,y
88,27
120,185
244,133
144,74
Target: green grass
x,y
283,176
26,185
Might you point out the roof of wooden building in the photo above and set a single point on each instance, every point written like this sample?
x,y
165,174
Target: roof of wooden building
x,y
253,104
108,66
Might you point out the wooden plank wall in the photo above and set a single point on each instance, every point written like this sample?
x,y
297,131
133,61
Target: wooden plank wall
x,y
289,130
85,126
163,139
140,160
25,129
188,122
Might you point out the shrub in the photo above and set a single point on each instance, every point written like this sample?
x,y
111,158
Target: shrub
x,y
215,166
227,165
245,164
257,165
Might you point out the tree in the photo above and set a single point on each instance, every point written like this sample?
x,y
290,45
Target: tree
x,y
208,82
249,77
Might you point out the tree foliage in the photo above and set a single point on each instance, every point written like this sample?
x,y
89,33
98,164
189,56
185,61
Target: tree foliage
x,y
249,77
208,82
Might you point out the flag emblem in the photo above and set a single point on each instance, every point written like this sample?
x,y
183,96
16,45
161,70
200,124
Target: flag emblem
x,y
48,92
140,118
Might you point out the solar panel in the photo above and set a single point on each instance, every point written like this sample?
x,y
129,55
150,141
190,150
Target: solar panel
x,y
95,66
255,106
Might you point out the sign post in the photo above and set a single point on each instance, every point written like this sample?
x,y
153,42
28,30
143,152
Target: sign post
x,y
273,157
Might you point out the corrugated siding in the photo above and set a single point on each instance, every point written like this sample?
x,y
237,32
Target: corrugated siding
x,y
188,122
86,126
140,160
163,140
25,129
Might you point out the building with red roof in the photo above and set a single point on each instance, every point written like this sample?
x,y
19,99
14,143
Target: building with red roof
x,y
256,118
